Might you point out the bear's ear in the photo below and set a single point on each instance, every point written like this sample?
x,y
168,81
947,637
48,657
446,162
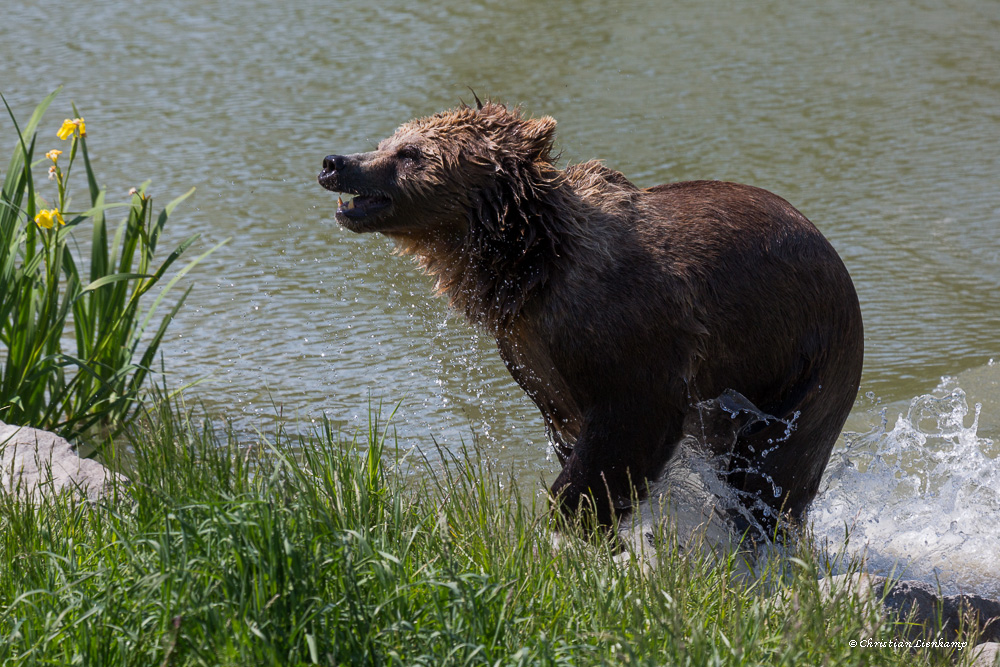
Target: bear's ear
x,y
539,134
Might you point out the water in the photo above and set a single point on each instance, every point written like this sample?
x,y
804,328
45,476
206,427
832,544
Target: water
x,y
880,121
918,493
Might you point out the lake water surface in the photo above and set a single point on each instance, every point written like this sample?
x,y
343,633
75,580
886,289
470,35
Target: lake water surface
x,y
879,121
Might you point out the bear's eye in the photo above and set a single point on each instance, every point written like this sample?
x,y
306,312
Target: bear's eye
x,y
409,153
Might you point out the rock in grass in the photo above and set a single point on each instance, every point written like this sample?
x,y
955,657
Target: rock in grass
x,y
33,462
986,655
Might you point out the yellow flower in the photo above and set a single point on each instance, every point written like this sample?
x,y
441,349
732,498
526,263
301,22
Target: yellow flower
x,y
71,126
53,154
66,130
48,217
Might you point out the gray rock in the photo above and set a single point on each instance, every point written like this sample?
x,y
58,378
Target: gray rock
x,y
33,461
986,655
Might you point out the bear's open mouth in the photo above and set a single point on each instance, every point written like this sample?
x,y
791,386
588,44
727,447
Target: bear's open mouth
x,y
362,206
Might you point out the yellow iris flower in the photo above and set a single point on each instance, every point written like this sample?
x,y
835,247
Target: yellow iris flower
x,y
53,154
71,126
67,129
47,217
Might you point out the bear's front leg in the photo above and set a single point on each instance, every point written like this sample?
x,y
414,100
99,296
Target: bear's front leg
x,y
619,448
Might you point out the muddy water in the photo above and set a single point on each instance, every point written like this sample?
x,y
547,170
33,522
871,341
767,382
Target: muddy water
x,y
880,121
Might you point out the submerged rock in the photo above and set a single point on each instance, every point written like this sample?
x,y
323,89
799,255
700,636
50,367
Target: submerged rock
x,y
924,613
33,461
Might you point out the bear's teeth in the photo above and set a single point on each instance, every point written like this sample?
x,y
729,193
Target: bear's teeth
x,y
340,202
350,205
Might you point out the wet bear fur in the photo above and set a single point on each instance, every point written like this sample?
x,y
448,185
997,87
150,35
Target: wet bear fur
x,y
633,317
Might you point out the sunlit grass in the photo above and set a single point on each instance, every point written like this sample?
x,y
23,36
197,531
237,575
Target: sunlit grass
x,y
291,550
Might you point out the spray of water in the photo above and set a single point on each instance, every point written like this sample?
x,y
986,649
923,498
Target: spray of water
x,y
692,498
919,498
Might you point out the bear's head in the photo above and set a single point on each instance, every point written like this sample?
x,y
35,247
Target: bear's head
x,y
472,170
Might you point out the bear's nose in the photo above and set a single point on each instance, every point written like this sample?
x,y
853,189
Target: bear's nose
x,y
333,163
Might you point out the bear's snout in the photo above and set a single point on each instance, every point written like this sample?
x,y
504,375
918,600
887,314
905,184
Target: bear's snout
x,y
333,172
333,163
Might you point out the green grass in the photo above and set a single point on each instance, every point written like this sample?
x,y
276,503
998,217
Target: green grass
x,y
287,551
77,339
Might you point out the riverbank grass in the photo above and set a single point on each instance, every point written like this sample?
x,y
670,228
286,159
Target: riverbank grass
x,y
290,550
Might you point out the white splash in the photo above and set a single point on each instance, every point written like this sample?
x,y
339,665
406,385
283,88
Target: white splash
x,y
920,500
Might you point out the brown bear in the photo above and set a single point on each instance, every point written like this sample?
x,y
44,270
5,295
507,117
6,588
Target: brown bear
x,y
633,317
